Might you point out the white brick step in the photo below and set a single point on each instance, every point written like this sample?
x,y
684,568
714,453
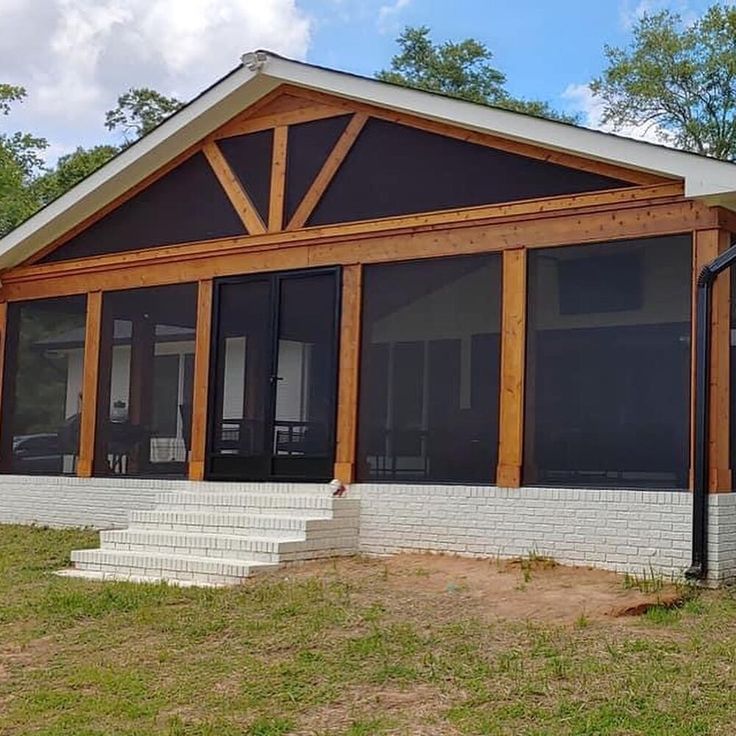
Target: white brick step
x,y
292,489
171,567
265,549
150,579
223,523
301,505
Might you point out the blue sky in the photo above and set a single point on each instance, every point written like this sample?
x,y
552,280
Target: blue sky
x,y
76,56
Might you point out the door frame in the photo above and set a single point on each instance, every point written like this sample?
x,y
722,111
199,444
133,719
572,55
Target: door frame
x,y
275,278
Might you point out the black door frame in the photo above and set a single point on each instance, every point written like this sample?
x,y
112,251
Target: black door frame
x,y
275,278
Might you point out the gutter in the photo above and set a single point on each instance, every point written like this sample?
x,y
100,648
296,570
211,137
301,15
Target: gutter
x,y
699,567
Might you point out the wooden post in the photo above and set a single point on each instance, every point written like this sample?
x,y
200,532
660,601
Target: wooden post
x,y
89,384
278,179
707,245
201,380
349,368
513,337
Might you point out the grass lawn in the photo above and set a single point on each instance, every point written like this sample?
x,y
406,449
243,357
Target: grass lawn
x,y
344,648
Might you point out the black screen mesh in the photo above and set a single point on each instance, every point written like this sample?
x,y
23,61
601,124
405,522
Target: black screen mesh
x,y
146,381
429,378
185,205
43,386
608,365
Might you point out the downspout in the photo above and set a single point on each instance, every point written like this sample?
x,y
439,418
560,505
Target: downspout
x,y
699,567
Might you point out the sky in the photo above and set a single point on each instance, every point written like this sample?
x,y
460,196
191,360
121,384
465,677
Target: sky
x,y
75,57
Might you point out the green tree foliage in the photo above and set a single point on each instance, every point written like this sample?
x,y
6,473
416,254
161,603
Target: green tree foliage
x,y
139,111
70,170
20,162
678,78
459,69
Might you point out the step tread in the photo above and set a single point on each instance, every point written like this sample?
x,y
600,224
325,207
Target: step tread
x,y
111,576
119,557
120,534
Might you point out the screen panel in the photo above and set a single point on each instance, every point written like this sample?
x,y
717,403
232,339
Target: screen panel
x,y
429,379
187,204
146,381
309,145
249,157
42,394
608,381
393,169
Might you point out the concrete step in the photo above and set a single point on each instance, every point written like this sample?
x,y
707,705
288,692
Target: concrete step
x,y
118,564
263,525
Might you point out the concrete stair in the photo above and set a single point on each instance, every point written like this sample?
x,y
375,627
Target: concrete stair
x,y
215,534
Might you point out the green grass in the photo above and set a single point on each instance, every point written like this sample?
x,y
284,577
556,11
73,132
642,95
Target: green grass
x,y
341,654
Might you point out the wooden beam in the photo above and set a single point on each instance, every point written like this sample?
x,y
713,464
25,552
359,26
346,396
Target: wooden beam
x,y
706,246
200,401
236,193
306,114
562,206
347,397
90,382
328,171
333,246
278,179
513,342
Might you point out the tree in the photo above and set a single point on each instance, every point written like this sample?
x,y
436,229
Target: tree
x,y
20,162
678,79
139,111
70,170
458,69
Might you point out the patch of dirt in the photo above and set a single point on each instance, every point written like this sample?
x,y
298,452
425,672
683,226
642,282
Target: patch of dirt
x,y
426,704
535,589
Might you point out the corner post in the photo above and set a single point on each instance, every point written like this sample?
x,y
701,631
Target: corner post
x,y
200,398
349,367
707,245
90,383
513,343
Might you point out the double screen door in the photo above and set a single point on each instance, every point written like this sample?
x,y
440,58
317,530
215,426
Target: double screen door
x,y
274,376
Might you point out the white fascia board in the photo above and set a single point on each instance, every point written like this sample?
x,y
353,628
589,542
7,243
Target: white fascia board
x,y
703,176
206,113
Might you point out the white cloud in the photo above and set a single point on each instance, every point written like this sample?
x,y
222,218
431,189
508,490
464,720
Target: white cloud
x,y
583,101
388,15
76,56
631,11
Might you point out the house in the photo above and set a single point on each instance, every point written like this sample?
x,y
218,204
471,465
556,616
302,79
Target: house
x,y
481,321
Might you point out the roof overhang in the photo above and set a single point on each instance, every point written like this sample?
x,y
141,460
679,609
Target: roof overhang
x,y
704,178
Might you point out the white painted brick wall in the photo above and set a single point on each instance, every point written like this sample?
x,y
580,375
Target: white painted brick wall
x,y
623,530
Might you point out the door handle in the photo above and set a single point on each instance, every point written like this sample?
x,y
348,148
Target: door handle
x,y
273,379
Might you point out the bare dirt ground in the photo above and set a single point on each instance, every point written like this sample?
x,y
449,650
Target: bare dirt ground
x,y
534,589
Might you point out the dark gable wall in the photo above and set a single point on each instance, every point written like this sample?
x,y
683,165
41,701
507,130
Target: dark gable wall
x,y
185,205
392,169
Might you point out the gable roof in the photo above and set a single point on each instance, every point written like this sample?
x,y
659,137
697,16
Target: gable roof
x,y
261,72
